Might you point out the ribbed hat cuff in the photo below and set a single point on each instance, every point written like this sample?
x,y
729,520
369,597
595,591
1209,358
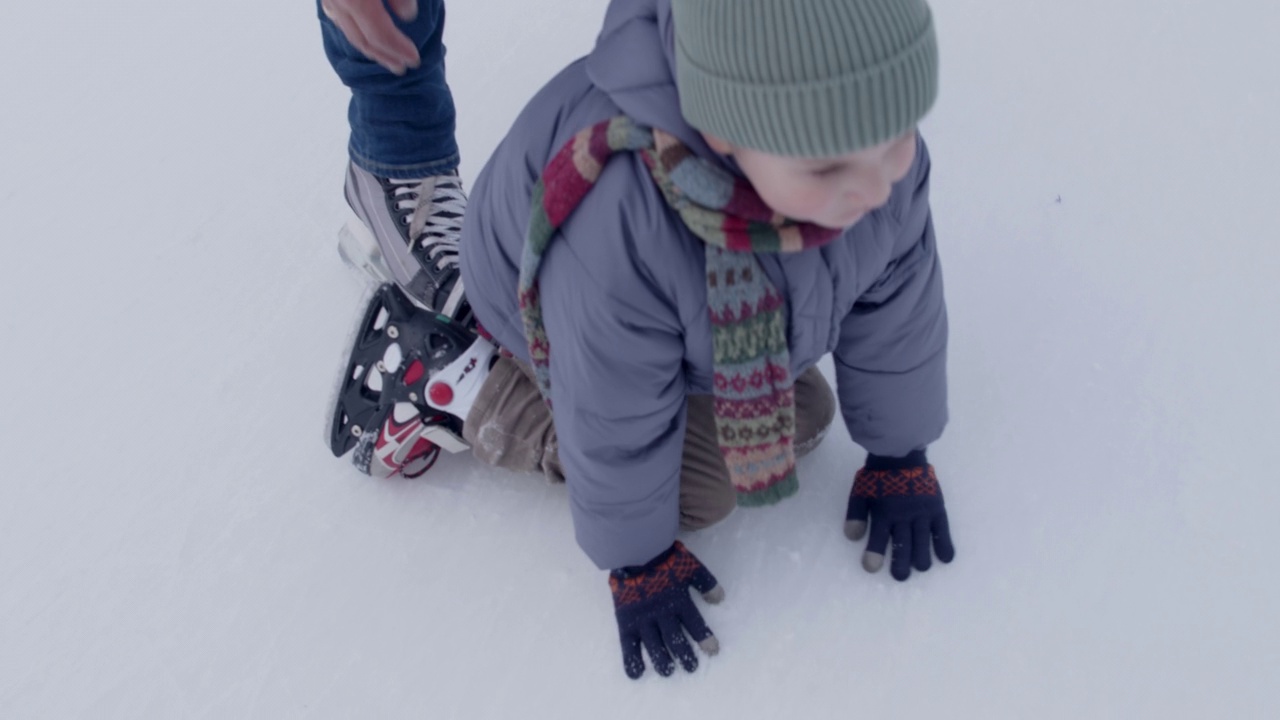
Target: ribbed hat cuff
x,y
816,119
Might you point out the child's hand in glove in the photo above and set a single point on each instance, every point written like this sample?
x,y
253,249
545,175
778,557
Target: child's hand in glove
x,y
654,609
902,498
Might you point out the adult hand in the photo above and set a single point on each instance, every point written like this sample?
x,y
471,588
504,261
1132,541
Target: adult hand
x,y
653,609
369,27
903,501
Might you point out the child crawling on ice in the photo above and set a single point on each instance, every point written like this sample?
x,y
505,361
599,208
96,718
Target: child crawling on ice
x,y
674,231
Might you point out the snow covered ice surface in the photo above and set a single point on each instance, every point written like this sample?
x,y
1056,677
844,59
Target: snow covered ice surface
x,y
175,541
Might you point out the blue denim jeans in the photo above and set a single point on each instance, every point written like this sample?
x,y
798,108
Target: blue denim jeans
x,y
401,126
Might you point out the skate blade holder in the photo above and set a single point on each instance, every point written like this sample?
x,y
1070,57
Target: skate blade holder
x,y
358,248
446,439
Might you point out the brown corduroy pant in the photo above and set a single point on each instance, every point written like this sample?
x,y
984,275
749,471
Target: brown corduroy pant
x,y
510,427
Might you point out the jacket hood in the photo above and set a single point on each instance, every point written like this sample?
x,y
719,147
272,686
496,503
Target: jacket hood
x,y
633,62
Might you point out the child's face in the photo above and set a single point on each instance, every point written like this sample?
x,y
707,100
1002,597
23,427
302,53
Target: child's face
x,y
833,192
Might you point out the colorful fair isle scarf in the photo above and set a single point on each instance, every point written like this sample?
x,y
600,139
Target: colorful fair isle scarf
x,y
754,398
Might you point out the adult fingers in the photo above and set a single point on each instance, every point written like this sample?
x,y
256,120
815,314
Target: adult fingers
x,y
677,643
406,10
901,563
877,542
942,546
356,36
385,39
921,554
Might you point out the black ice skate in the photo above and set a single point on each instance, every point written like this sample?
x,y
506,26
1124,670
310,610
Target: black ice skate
x,y
410,379
408,234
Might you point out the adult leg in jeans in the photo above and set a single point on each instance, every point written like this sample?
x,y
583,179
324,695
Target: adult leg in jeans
x,y
402,126
402,181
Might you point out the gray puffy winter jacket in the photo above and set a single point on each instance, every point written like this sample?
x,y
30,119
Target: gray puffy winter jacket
x,y
625,300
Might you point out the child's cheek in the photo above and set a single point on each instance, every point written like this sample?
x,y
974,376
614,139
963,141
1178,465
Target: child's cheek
x,y
906,158
802,200
775,195
822,199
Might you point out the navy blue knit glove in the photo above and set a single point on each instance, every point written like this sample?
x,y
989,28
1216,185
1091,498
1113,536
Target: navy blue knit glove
x,y
904,502
653,607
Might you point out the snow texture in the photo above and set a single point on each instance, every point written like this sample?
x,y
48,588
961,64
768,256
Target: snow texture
x,y
176,542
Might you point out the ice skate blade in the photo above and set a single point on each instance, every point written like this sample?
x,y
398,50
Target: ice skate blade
x,y
358,249
343,369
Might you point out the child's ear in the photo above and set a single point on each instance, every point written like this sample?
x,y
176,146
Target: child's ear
x,y
719,145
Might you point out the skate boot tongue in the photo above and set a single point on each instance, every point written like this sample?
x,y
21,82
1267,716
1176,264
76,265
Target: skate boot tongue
x,y
436,228
408,232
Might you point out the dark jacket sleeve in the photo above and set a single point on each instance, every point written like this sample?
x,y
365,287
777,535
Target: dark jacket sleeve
x,y
891,357
617,380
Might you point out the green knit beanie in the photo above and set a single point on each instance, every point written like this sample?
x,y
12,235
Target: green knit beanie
x,y
807,78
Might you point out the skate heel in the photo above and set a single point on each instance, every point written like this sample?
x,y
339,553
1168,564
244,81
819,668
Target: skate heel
x,y
358,249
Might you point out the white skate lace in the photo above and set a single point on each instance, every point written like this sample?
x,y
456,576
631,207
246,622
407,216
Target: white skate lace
x,y
435,207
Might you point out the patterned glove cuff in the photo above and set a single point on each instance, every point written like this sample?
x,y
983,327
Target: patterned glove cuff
x,y
916,458
623,573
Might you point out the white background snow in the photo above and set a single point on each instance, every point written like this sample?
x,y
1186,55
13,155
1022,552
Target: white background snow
x,y
176,541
